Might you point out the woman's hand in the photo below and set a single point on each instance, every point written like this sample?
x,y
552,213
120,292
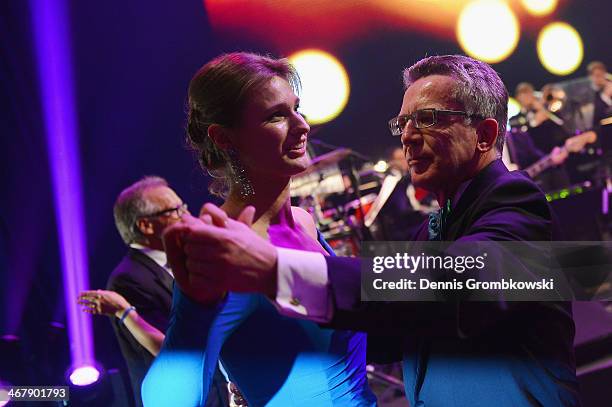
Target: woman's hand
x,y
196,286
103,302
215,254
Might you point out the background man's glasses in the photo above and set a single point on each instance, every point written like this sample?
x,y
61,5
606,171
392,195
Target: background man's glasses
x,y
177,212
421,119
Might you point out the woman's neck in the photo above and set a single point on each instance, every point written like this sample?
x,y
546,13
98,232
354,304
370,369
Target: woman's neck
x,y
271,201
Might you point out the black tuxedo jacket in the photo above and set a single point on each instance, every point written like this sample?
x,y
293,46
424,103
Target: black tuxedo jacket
x,y
470,353
148,287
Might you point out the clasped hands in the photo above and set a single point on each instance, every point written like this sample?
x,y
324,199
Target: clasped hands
x,y
214,254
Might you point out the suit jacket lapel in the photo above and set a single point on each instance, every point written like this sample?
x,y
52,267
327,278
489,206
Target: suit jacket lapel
x,y
485,179
161,276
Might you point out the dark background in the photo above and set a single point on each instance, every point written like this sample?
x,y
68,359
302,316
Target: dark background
x,y
132,62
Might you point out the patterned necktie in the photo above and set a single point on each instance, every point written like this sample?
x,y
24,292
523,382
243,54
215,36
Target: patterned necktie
x,y
437,221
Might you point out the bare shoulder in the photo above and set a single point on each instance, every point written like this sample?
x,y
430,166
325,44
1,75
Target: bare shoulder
x,y
305,221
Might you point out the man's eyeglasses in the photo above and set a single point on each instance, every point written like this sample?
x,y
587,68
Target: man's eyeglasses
x,y
421,119
177,212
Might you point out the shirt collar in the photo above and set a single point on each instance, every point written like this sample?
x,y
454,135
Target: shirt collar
x,y
158,256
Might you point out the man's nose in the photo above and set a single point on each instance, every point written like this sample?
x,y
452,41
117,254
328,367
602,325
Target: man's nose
x,y
410,135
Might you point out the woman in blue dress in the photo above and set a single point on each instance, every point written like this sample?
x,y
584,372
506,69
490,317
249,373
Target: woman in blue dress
x,y
244,125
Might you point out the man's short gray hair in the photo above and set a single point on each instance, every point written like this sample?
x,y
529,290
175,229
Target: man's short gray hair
x,y
479,88
131,205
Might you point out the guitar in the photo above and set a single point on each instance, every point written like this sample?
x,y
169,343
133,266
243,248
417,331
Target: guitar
x,y
558,155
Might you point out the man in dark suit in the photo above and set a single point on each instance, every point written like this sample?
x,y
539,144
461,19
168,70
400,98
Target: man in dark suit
x,y
452,124
139,290
534,133
601,86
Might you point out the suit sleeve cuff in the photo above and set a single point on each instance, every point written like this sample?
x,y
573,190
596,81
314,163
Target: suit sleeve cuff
x,y
303,286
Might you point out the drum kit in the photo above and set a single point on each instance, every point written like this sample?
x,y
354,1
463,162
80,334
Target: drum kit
x,y
342,191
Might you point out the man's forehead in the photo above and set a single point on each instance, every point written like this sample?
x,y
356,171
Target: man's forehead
x,y
429,91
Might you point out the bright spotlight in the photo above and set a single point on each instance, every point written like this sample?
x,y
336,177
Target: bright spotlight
x,y
84,376
488,30
560,48
514,107
325,85
540,7
381,166
4,394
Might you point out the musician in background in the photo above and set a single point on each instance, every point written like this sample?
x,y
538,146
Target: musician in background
x,y
601,84
405,208
535,133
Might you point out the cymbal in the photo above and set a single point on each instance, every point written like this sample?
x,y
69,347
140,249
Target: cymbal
x,y
326,160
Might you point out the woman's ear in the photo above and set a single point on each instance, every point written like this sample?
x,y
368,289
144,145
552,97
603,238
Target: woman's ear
x,y
220,136
487,134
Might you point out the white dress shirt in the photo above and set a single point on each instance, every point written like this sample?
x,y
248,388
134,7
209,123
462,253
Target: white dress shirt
x,y
158,256
303,289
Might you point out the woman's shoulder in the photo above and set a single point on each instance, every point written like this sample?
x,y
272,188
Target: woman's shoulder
x,y
305,220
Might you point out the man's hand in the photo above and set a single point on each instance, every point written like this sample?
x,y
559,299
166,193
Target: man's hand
x,y
103,302
215,254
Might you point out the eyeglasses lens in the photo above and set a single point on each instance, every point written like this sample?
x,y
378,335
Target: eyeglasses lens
x,y
424,118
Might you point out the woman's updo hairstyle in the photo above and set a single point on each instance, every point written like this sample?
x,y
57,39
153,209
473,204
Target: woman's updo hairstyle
x,y
217,95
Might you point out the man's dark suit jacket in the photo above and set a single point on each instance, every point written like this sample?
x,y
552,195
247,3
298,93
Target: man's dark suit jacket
x,y
148,287
469,353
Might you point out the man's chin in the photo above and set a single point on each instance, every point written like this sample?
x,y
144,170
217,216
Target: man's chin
x,y
422,181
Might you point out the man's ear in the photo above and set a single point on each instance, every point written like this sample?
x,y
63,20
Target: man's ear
x,y
145,227
487,134
220,136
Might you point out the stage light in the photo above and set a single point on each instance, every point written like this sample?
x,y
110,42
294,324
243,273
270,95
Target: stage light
x,y
51,32
4,396
381,166
84,376
540,7
168,385
560,48
514,107
488,30
325,85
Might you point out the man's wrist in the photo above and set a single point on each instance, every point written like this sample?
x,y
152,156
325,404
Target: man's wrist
x,y
302,285
127,311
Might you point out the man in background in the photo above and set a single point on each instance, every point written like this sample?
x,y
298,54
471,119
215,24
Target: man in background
x,y
601,84
536,132
139,290
404,207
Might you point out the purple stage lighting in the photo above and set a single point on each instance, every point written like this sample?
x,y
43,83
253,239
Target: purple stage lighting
x,y
52,43
84,376
4,397
605,199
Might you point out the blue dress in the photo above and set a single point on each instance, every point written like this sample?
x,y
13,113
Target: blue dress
x,y
273,359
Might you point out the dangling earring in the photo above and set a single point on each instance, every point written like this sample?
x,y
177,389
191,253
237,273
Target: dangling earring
x,y
239,175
